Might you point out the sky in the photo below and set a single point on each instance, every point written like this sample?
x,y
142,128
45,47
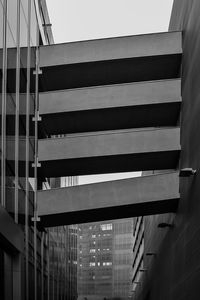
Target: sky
x,y
76,20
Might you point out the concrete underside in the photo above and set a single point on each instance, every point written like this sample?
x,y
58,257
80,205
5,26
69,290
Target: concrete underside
x,y
115,60
133,105
109,200
109,152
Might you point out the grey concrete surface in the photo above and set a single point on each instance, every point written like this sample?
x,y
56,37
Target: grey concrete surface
x,y
118,142
110,61
110,152
136,196
111,48
119,95
132,105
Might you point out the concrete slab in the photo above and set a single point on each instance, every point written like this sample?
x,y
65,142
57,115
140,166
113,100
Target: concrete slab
x,y
132,197
133,105
108,152
110,61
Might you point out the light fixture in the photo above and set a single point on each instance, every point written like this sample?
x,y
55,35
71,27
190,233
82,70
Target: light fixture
x,y
187,172
164,225
143,270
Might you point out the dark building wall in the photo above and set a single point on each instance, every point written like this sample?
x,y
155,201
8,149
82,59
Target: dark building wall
x,y
174,272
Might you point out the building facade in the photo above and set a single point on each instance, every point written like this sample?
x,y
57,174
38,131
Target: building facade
x,y
23,27
146,72
104,259
171,243
63,262
62,253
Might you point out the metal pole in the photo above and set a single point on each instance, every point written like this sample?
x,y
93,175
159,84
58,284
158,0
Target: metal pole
x,y
36,161
17,114
42,267
27,152
3,117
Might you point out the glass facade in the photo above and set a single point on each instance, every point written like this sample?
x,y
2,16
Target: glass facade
x,y
21,32
63,262
105,255
62,278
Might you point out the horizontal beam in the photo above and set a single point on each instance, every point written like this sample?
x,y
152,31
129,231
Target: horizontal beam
x,y
108,152
110,61
133,105
111,48
99,62
118,142
111,96
133,197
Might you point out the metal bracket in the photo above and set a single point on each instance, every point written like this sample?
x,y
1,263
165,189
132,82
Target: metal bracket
x,y
38,164
187,172
35,219
39,72
37,117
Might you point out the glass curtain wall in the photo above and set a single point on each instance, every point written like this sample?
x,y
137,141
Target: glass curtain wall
x,y
19,41
62,261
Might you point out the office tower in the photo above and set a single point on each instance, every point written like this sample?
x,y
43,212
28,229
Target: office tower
x,y
104,259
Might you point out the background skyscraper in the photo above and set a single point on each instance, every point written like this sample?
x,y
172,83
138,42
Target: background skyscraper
x,y
105,255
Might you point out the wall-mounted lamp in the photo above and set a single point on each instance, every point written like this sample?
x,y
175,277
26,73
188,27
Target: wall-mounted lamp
x,y
187,172
164,225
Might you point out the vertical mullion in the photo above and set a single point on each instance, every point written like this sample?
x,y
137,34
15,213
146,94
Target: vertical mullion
x,y
48,267
3,117
42,267
27,151
17,114
36,162
53,270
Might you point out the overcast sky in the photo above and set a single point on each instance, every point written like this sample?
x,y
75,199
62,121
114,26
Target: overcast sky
x,y
75,20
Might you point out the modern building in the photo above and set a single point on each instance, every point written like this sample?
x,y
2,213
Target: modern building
x,y
63,262
63,253
24,25
123,104
104,259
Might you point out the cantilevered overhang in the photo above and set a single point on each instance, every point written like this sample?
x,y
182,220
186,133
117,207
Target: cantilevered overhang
x,y
11,235
108,152
132,105
110,61
133,197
